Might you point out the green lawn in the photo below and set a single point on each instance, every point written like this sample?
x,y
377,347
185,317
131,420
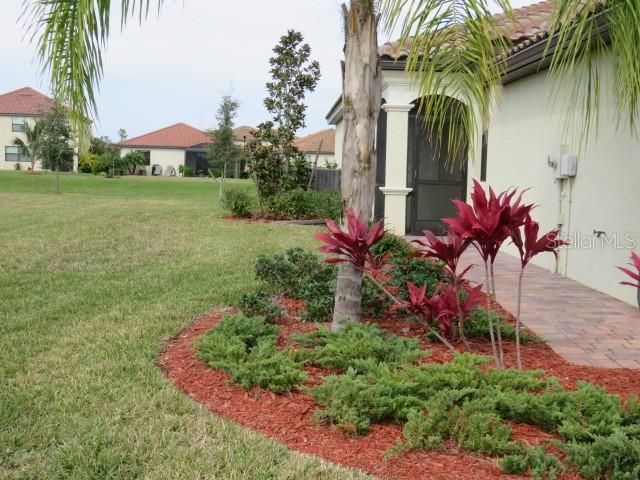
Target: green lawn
x,y
92,282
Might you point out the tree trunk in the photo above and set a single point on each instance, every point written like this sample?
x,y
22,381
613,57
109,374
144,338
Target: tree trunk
x,y
224,173
58,177
361,100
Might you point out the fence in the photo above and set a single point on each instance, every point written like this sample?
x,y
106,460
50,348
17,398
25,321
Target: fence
x,y
326,179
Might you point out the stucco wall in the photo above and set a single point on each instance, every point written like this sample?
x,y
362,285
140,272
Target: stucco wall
x,y
6,140
164,157
323,159
526,129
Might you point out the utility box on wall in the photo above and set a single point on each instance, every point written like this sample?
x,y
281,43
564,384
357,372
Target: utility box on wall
x,y
568,165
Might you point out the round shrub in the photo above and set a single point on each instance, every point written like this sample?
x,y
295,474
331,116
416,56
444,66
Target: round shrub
x,y
238,202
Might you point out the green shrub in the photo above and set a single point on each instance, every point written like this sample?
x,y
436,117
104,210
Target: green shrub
x,y
393,245
291,272
305,204
478,327
245,348
355,344
237,201
300,274
419,271
260,304
534,459
185,170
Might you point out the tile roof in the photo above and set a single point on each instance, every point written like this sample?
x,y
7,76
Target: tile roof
x,y
243,132
179,135
311,143
24,101
529,24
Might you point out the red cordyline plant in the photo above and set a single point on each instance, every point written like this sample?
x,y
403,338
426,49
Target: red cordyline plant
x,y
354,244
448,250
443,309
635,276
486,224
529,245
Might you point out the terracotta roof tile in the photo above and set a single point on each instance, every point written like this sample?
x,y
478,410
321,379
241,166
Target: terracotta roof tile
x,y
311,143
529,23
243,132
24,101
179,135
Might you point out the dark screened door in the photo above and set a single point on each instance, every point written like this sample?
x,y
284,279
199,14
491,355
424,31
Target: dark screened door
x,y
436,179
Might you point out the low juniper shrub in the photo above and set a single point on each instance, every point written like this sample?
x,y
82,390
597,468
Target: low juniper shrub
x,y
246,348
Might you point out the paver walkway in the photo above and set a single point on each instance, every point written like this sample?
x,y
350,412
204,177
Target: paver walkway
x,y
584,326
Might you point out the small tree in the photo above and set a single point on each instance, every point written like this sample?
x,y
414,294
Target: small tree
x,y
223,151
132,160
276,163
55,144
31,146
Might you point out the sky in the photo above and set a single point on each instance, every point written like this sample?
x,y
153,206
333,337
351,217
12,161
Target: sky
x,y
175,67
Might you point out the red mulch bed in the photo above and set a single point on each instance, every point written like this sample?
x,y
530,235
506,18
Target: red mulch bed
x,y
288,418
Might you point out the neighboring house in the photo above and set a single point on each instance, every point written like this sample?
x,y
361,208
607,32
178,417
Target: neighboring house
x,y
524,141
320,145
17,109
171,147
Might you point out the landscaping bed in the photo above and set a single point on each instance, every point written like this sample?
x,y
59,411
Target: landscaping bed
x,y
290,417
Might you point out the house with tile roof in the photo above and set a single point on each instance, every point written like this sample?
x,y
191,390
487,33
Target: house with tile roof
x,y
168,148
319,145
171,147
17,109
589,191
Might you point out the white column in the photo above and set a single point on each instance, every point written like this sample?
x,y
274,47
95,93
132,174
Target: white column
x,y
395,185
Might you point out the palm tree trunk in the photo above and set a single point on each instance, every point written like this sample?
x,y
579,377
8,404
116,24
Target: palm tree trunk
x,y
362,92
518,354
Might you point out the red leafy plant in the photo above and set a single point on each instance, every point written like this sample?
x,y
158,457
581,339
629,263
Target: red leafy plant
x,y
529,245
448,250
487,223
635,276
353,244
443,309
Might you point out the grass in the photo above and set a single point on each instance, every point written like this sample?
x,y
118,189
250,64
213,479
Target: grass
x,y
92,282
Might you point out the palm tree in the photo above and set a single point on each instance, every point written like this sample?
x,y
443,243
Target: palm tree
x,y
466,50
71,37
30,146
362,92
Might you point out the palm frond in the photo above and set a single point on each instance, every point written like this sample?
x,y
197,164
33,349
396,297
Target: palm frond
x,y
71,36
583,34
453,50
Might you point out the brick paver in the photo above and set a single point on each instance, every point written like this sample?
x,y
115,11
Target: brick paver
x,y
584,326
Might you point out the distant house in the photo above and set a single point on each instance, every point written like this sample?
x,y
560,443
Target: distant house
x,y
170,147
321,145
17,109
176,145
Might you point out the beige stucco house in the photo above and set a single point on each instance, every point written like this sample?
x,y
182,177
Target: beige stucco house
x,y
17,109
594,204
320,146
168,148
180,144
